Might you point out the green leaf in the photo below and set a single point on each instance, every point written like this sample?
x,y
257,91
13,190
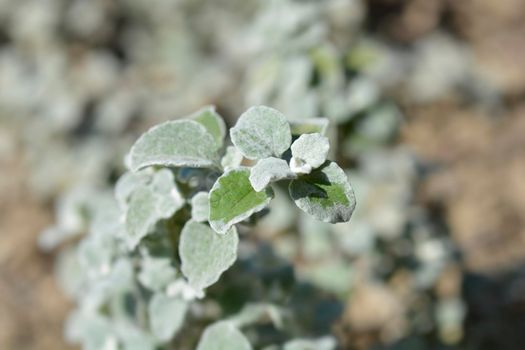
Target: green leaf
x,y
233,199
213,122
204,254
177,143
269,170
200,207
151,203
311,149
325,194
232,158
166,316
310,125
223,336
261,132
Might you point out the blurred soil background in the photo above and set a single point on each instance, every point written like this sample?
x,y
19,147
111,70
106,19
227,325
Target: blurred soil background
x,y
473,159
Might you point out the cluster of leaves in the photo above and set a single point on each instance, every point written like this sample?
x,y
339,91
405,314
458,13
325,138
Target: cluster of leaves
x,y
173,57
143,269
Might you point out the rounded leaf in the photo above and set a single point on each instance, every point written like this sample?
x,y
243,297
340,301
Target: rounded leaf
x,y
148,204
204,254
232,158
233,199
325,194
200,207
223,336
213,122
166,316
269,170
312,149
261,132
176,143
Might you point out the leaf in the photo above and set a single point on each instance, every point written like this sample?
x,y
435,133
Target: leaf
x,y
200,207
223,336
233,199
156,273
311,149
166,316
307,126
176,143
204,254
269,170
88,327
151,203
232,158
261,132
258,313
325,194
128,183
325,343
213,122
169,199
95,253
134,338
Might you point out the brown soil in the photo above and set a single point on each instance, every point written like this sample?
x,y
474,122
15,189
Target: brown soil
x,y
32,310
480,167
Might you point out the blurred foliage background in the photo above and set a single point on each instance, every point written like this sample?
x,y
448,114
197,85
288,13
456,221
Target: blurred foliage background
x,y
426,102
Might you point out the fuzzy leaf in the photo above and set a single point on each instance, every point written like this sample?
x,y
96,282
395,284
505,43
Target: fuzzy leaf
x,y
204,254
148,204
96,252
200,207
269,170
156,273
176,143
134,338
141,214
311,149
232,158
325,194
213,122
128,183
233,199
166,316
223,336
261,132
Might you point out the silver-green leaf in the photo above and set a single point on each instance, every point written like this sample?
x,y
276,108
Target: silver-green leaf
x,y
148,204
233,199
223,336
261,132
177,143
325,194
200,207
156,273
232,158
204,254
269,170
166,316
128,183
311,149
213,122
